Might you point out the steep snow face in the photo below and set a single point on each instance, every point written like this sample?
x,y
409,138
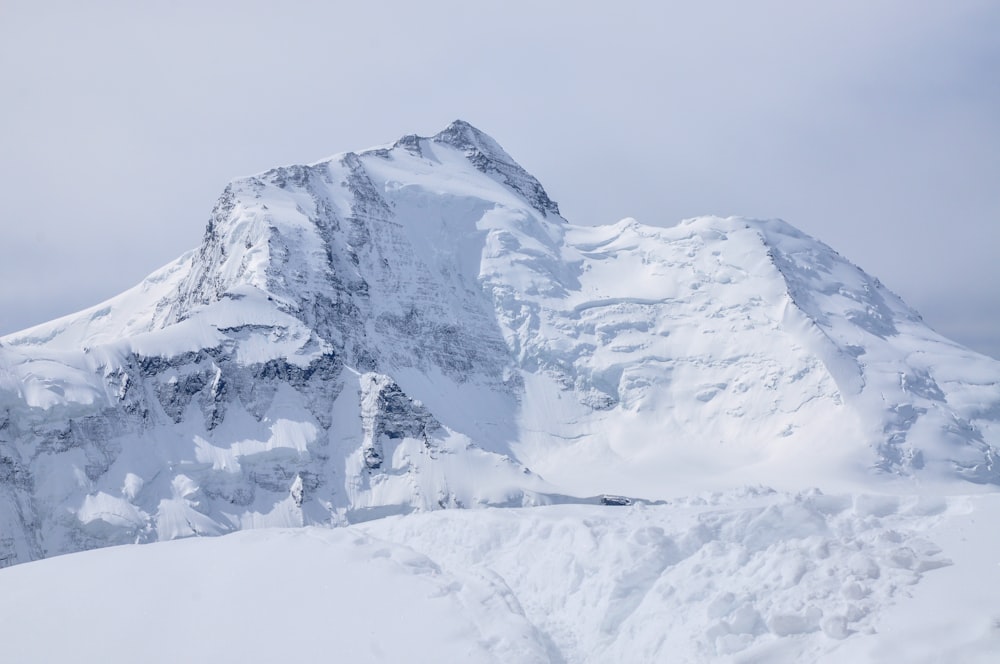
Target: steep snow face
x,y
925,401
412,327
729,350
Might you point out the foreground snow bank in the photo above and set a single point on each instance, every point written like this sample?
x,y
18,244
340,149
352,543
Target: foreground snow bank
x,y
746,576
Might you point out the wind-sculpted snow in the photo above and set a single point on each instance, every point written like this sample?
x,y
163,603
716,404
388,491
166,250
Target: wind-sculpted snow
x,y
742,576
415,327
698,579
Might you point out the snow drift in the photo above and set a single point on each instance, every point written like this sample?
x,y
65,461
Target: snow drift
x,y
746,576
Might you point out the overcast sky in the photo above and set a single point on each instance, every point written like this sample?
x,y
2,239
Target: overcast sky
x,y
872,125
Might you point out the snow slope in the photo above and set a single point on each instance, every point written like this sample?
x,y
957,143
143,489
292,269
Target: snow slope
x,y
743,576
415,327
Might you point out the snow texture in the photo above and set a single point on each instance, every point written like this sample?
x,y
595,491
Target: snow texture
x,y
742,576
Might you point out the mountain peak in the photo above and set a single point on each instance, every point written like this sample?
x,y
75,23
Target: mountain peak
x,y
488,157
463,135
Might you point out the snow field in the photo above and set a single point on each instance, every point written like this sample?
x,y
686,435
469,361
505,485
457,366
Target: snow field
x,y
258,596
742,576
737,575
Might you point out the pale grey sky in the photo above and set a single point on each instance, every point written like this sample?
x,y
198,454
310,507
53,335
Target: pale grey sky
x,y
874,126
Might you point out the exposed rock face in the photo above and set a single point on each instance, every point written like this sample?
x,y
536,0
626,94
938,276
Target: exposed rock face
x,y
407,328
387,415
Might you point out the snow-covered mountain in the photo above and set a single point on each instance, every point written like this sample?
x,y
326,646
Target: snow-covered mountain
x,y
415,327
